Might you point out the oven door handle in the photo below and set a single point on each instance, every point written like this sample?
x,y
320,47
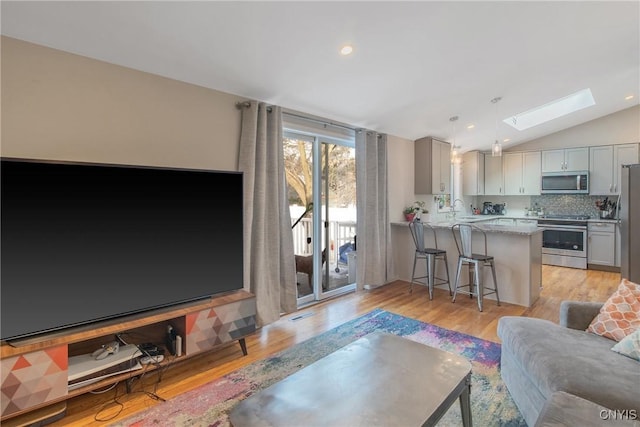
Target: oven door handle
x,y
562,227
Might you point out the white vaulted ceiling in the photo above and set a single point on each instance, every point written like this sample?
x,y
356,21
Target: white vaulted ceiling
x,y
414,65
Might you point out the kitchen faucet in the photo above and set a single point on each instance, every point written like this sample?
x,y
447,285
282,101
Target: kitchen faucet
x,y
452,208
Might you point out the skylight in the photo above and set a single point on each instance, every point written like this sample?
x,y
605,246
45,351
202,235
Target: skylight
x,y
552,110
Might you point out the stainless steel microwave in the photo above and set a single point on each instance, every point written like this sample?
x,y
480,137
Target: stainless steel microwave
x,y
565,182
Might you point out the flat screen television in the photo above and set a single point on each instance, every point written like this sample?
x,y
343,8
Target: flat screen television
x,y
85,242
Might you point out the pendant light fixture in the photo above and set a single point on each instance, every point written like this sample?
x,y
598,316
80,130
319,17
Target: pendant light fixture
x,y
454,148
496,148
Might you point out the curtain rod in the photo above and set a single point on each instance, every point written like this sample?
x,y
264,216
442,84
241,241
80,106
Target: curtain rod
x,y
322,122
247,104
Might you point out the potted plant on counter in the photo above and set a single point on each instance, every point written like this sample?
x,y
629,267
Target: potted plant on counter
x,y
417,208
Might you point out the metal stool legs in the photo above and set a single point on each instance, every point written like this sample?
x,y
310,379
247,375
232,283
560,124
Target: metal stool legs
x,y
430,256
476,279
462,234
495,281
431,268
413,273
430,261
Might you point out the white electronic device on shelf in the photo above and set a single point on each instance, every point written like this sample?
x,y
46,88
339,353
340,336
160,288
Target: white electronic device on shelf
x,y
86,369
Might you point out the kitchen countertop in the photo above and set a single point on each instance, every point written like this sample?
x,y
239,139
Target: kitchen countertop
x,y
478,220
489,217
523,230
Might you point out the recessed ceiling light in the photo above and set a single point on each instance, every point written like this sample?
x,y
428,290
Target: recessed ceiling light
x,y
552,110
346,50
628,97
471,126
506,140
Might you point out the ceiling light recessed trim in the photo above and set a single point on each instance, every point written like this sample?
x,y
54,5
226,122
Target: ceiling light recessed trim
x,y
628,97
346,50
552,110
471,126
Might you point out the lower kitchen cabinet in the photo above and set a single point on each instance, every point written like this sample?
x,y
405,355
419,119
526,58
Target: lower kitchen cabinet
x,y
601,248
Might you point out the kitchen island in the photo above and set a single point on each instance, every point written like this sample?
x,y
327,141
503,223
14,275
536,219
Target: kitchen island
x,y
517,251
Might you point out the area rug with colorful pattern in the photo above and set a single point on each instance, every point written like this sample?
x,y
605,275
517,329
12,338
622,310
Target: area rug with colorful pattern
x,y
209,405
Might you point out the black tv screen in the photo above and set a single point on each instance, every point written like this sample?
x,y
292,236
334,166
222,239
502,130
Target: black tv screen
x,y
87,242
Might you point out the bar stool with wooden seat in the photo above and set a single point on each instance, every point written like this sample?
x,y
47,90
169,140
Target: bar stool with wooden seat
x,y
430,255
462,235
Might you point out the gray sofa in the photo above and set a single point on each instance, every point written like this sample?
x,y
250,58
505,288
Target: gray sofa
x,y
540,358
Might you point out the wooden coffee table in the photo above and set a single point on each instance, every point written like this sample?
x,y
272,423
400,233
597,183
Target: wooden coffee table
x,y
378,380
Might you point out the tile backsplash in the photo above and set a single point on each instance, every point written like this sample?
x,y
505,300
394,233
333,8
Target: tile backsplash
x,y
569,204
553,204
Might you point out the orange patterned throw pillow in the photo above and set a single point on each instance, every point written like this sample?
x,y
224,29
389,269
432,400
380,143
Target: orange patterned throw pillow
x,y
620,315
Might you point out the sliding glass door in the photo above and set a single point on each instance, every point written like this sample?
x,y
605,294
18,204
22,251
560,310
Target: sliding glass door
x,y
322,198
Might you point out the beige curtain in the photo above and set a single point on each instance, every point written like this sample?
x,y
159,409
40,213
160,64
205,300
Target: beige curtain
x,y
373,229
269,265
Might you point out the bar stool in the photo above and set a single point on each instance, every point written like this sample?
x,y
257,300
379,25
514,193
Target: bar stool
x,y
462,235
430,255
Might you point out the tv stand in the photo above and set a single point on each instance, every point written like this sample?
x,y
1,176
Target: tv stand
x,y
35,370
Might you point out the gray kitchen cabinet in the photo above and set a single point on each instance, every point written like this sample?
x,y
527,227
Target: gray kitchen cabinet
x,y
493,183
601,170
473,173
606,166
522,173
565,160
432,166
601,247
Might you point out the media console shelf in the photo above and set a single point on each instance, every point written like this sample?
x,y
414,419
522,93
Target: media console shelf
x,y
35,370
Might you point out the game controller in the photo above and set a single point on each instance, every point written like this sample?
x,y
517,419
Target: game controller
x,y
106,350
151,359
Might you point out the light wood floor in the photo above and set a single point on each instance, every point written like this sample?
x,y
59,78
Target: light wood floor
x,y
558,284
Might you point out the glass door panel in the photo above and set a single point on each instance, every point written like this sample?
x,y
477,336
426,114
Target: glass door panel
x,y
322,189
339,215
298,157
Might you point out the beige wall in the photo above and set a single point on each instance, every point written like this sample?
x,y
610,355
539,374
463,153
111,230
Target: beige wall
x,y
400,166
621,127
56,105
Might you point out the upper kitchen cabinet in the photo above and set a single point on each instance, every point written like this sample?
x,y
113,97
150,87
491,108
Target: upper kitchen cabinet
x,y
522,173
473,173
432,166
493,184
606,167
568,159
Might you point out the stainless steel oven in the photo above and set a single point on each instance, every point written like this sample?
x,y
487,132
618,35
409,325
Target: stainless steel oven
x,y
564,241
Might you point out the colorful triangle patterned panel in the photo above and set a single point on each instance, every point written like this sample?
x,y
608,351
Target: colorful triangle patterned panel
x,y
217,326
33,378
